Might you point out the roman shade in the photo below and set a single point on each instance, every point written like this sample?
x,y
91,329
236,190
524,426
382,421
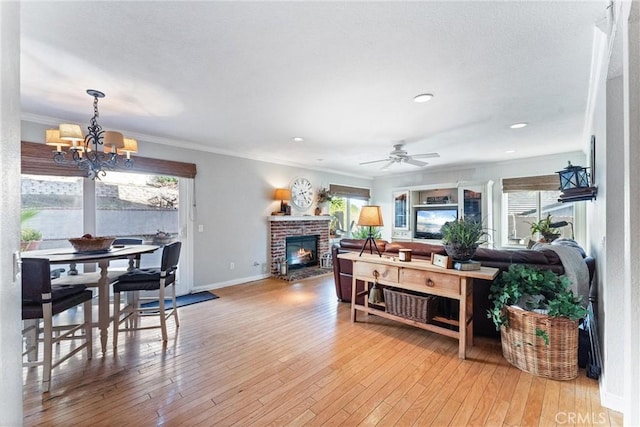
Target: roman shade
x,y
37,159
350,192
531,183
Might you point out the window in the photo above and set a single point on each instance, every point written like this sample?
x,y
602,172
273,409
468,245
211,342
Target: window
x,y
527,207
345,209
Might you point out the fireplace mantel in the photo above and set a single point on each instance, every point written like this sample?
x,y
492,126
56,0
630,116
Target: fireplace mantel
x,y
299,218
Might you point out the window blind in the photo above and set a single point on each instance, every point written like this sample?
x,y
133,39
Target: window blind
x,y
37,159
350,192
531,183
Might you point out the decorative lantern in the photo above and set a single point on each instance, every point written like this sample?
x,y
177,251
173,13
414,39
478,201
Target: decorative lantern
x,y
573,177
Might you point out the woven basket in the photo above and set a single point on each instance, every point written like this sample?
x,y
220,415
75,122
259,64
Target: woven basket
x,y
525,349
415,307
93,244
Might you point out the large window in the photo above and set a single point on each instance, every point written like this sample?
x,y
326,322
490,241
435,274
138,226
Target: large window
x,y
527,207
526,201
345,209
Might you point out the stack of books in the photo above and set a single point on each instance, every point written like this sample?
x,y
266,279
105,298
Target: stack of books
x,y
576,194
466,265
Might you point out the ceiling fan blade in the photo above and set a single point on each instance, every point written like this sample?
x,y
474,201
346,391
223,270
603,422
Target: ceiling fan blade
x,y
374,161
386,167
415,162
425,155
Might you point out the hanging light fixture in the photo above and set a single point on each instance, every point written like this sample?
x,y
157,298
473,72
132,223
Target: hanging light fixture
x,y
95,152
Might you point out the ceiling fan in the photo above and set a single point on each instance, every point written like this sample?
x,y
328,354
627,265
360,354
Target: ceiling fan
x,y
398,155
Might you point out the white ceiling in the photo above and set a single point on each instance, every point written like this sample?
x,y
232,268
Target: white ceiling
x,y
243,78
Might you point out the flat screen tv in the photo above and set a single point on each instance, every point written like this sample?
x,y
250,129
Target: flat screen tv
x,y
429,221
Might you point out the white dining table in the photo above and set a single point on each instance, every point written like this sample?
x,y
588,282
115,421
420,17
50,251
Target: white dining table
x,y
102,258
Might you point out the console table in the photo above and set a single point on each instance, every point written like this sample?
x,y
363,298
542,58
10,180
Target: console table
x,y
420,277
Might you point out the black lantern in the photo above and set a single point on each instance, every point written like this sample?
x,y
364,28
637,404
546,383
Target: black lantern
x,y
573,177
574,184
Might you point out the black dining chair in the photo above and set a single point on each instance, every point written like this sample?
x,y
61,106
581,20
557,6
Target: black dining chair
x,y
147,279
40,302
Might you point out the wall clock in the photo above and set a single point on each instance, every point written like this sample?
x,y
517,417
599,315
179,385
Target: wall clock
x,y
301,193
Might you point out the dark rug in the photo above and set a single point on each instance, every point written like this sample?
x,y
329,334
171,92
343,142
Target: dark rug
x,y
305,273
183,300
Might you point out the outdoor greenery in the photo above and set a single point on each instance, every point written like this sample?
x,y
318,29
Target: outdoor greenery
x,y
533,289
363,232
28,234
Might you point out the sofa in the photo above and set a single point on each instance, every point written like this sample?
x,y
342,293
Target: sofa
x,y
542,258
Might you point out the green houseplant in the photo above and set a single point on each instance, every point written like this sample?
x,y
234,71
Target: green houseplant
x,y
462,237
543,227
537,316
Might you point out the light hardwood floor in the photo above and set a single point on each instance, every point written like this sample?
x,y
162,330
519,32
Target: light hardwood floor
x,y
284,353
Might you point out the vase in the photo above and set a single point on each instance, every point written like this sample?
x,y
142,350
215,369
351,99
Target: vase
x,y
460,253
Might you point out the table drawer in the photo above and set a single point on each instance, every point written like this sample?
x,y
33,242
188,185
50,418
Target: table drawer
x,y
430,280
366,271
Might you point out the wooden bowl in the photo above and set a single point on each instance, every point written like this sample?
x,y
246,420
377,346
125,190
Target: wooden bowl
x,y
91,244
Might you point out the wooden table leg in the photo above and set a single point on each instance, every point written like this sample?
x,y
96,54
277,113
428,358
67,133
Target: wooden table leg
x,y
353,299
103,305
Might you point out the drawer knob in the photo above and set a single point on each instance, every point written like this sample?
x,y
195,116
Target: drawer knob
x,y
430,282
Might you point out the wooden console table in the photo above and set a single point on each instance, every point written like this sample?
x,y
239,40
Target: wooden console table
x,y
424,278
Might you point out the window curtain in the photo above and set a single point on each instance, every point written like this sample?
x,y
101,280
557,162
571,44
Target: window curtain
x,y
37,159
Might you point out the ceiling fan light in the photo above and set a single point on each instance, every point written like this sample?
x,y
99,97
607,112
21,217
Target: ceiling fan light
x,y
423,97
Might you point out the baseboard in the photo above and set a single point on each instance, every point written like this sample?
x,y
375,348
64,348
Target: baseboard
x,y
231,282
609,400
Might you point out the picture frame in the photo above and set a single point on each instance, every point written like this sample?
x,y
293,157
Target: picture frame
x,y
441,261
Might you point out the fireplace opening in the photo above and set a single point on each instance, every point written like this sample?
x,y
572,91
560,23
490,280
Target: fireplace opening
x,y
302,251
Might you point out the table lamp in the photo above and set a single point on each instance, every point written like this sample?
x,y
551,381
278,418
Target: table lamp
x,y
370,216
284,195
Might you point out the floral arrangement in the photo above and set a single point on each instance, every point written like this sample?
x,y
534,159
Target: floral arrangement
x,y
324,195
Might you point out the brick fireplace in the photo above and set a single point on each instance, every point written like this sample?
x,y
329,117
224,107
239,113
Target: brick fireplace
x,y
281,227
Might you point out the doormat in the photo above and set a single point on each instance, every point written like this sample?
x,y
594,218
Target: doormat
x,y
305,273
183,300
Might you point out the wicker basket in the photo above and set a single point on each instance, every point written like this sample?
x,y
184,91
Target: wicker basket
x,y
93,244
415,307
526,349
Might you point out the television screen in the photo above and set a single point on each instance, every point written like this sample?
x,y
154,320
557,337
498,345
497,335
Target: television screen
x,y
430,221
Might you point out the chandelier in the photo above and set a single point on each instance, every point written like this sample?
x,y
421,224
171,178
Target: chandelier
x,y
97,151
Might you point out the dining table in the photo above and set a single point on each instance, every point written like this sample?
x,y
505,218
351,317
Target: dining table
x,y
103,259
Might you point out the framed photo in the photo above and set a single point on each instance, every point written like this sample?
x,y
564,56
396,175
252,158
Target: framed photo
x,y
593,161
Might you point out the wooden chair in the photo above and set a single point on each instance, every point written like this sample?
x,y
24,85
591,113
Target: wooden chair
x,y
40,302
147,279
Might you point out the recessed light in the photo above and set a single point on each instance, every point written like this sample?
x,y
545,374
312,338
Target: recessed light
x,y
510,151
518,125
297,139
423,97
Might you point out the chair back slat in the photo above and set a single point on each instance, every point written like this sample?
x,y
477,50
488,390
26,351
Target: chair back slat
x,y
127,241
36,279
170,256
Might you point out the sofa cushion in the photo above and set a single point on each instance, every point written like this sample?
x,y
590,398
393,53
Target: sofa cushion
x,y
418,250
356,244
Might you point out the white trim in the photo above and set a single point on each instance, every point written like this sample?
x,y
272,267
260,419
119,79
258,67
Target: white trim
x,y
233,282
609,400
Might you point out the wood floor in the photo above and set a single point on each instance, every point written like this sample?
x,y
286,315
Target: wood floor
x,y
285,353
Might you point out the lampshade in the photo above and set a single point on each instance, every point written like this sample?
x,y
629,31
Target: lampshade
x,y
370,216
70,132
113,140
52,137
282,194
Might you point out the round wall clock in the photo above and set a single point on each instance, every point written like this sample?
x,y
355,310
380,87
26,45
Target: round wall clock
x,y
301,193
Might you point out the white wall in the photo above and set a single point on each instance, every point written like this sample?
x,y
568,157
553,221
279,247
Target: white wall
x,y
10,291
485,172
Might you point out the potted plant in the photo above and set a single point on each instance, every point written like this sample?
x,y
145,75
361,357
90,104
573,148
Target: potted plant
x,y
30,238
462,237
537,315
544,228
